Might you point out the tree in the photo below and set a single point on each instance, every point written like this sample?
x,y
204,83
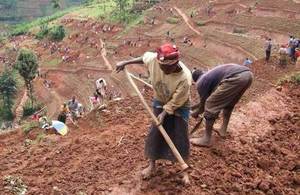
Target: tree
x,y
122,8
27,66
7,92
56,4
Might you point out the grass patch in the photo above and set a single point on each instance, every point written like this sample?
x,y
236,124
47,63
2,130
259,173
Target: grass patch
x,y
27,127
3,40
29,109
96,10
239,30
23,28
293,78
200,23
172,20
52,63
40,137
136,19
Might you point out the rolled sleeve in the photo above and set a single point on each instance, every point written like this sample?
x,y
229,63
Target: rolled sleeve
x,y
149,57
179,98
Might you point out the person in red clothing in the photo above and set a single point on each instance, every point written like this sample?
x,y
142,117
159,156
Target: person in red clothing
x,y
297,53
297,56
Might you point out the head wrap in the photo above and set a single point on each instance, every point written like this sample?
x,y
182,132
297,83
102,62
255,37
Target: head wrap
x,y
167,54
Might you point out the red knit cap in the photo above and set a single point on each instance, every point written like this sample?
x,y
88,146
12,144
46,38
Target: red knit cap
x,y
167,52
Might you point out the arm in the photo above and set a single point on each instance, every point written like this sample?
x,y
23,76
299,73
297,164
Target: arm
x,y
203,95
198,108
121,65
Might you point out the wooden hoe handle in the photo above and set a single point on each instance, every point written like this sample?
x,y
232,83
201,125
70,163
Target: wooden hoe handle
x,y
183,165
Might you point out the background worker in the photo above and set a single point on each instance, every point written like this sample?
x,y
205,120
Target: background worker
x,y
219,90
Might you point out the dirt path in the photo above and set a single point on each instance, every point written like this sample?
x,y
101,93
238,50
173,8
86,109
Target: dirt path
x,y
188,22
75,71
104,54
54,106
19,109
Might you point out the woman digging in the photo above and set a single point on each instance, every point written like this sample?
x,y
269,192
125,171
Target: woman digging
x,y
171,81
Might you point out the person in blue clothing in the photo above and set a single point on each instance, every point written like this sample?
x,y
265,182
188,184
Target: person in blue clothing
x,y
247,62
219,90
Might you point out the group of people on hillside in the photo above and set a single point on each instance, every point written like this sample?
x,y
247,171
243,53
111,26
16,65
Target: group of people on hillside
x,y
72,109
219,90
290,49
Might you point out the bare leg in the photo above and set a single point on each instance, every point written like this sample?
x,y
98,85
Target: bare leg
x,y
226,117
147,172
205,141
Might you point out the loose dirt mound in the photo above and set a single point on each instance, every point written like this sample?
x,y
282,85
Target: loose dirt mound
x,y
105,155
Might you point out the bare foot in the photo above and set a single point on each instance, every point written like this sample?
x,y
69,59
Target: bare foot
x,y
202,142
147,172
186,179
222,133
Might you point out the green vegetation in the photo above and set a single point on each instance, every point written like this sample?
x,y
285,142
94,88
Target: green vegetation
x,y
57,33
172,20
44,30
293,78
239,30
2,40
23,28
111,10
29,109
27,66
122,10
52,63
8,91
27,127
95,9
56,4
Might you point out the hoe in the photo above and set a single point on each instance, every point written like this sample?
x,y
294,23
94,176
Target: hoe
x,y
182,164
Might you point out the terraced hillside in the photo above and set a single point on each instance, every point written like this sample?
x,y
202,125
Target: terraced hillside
x,y
103,154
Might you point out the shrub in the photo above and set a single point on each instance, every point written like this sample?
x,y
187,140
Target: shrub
x,y
29,109
172,20
27,127
57,33
296,78
44,30
2,39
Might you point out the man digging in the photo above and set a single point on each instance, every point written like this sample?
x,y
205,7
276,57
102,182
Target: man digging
x,y
219,90
171,81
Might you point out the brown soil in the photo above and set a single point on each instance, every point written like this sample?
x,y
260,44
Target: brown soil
x,y
104,153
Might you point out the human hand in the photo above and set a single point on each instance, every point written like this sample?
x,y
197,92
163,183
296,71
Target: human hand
x,y
120,66
195,113
161,117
